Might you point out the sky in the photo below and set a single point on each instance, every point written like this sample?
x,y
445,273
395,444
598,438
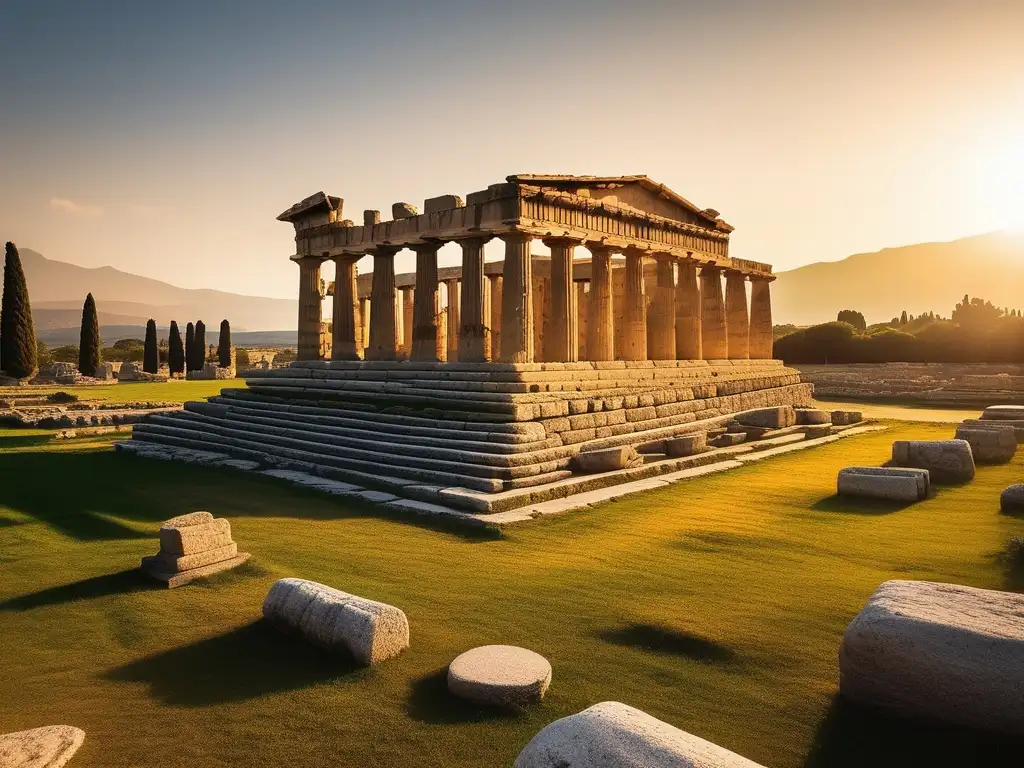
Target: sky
x,y
164,138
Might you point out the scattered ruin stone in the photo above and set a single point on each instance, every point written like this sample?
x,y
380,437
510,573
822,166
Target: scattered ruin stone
x,y
770,418
890,483
686,445
813,431
947,461
500,675
193,546
989,446
403,211
1011,501
941,651
1004,412
608,459
728,438
51,746
130,371
442,203
1016,425
614,735
812,416
371,632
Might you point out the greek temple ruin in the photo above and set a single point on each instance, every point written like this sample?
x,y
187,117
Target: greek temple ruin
x,y
631,348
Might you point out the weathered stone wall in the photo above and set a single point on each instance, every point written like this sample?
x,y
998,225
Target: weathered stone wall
x,y
967,383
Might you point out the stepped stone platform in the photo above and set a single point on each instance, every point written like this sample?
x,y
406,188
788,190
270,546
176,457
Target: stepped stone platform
x,y
478,437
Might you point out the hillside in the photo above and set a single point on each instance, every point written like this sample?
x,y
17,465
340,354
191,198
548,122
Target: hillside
x,y
58,289
929,277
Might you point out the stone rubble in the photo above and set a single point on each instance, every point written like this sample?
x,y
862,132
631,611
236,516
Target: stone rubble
x,y
193,546
949,462
51,746
500,675
889,483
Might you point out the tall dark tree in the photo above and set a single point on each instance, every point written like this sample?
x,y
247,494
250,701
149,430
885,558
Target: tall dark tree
x,y
200,360
150,354
18,351
224,345
854,318
89,339
175,350
190,347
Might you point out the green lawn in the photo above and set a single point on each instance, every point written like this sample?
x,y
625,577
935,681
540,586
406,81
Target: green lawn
x,y
174,391
717,605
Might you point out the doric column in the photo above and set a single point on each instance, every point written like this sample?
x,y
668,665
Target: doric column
x,y
634,312
310,309
662,316
541,315
517,300
601,336
364,326
383,322
424,310
618,302
496,304
452,287
561,341
471,305
346,310
761,318
688,313
737,321
714,338
408,306
582,308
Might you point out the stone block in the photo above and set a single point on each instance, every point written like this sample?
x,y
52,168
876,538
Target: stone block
x,y
772,418
370,631
813,416
500,675
614,735
947,461
168,563
818,430
938,651
890,483
1004,412
1017,425
403,211
686,445
191,518
1011,501
441,203
839,418
180,579
51,746
727,439
191,539
370,218
608,459
989,446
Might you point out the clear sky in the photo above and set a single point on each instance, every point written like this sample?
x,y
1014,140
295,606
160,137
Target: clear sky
x,y
163,138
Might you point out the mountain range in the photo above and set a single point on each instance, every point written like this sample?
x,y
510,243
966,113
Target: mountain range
x,y
928,277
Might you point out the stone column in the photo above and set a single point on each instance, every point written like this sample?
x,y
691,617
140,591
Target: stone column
x,y
471,306
582,306
310,309
761,319
452,287
364,326
383,323
346,310
517,300
714,335
561,341
738,323
408,307
634,314
688,313
424,310
496,303
662,317
601,336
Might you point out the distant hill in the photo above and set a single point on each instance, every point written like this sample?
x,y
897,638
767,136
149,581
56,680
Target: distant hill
x,y
57,290
929,277
56,337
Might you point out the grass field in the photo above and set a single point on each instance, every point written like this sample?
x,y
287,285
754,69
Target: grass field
x,y
717,605
175,391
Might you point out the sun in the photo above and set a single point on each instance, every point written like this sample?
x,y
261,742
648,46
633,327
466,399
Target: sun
x,y
1001,184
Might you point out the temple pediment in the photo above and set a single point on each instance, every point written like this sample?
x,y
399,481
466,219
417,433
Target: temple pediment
x,y
638,192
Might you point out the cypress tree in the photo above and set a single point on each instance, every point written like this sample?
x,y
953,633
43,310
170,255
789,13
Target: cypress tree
x,y
175,350
150,355
190,347
224,345
18,350
89,339
200,346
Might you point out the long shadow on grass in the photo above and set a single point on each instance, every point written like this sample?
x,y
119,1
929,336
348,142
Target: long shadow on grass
x,y
119,583
854,736
650,637
44,486
248,662
859,506
431,702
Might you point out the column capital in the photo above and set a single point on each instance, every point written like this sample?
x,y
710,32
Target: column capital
x,y
475,239
762,278
554,242
515,236
429,246
385,250
662,256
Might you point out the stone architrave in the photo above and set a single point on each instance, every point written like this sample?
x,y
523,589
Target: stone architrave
x,y
517,300
310,309
761,339
661,318
496,282
454,321
738,320
601,335
344,333
562,333
634,314
383,323
688,313
472,328
424,311
714,333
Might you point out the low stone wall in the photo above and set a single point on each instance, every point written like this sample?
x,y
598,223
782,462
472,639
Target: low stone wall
x,y
933,383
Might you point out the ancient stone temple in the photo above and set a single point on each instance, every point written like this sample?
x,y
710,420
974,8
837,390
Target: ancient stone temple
x,y
475,386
